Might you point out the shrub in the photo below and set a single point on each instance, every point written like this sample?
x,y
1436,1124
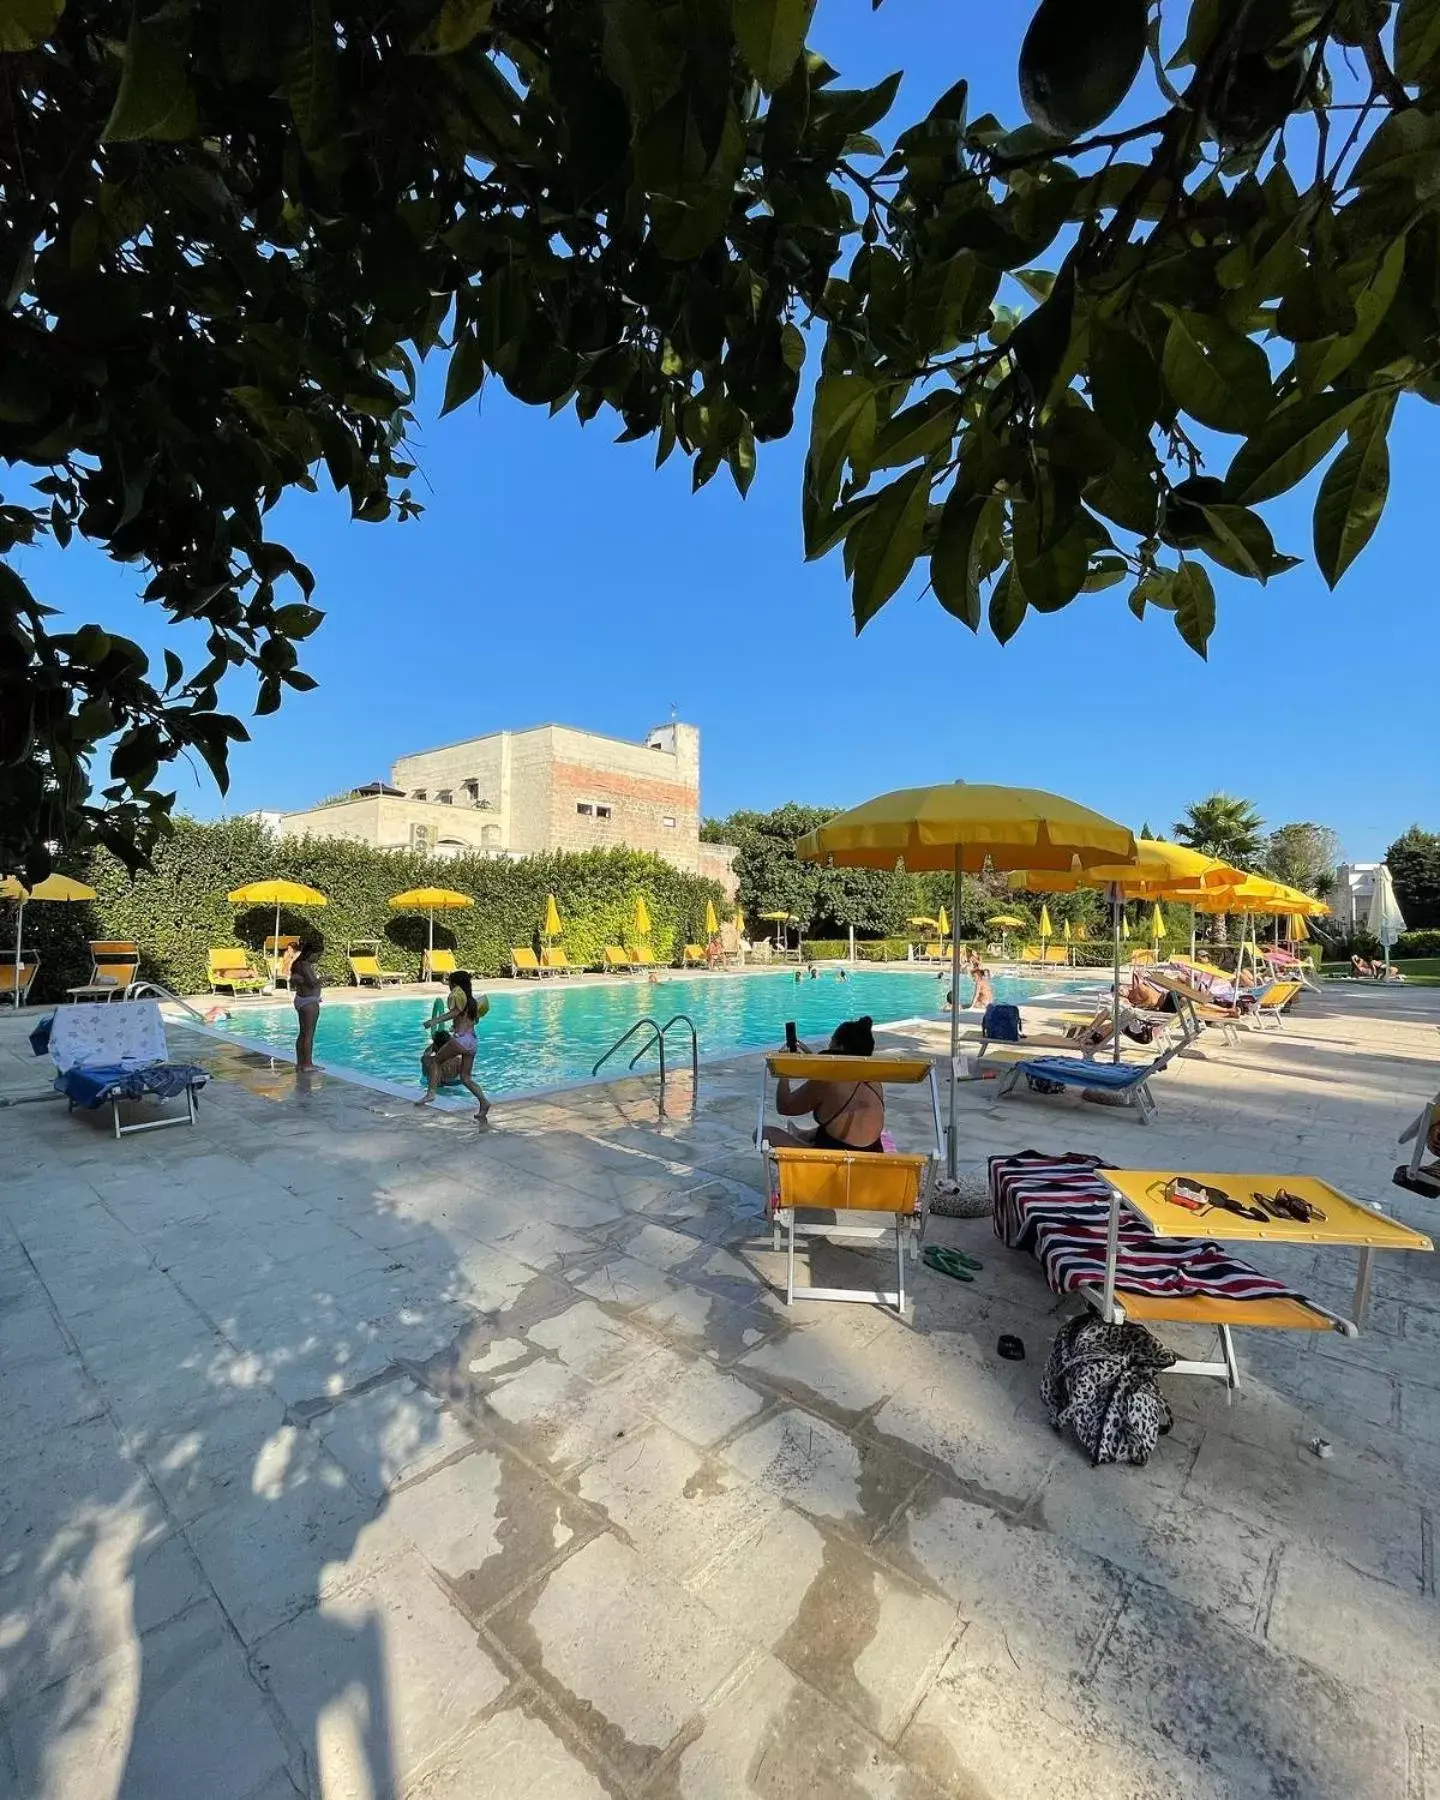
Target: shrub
x,y
1417,943
177,909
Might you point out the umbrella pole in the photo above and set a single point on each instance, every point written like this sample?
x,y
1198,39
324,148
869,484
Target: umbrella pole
x,y
1115,1000
19,933
275,950
952,1148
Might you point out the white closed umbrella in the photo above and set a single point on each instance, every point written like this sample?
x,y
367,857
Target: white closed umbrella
x,y
1385,919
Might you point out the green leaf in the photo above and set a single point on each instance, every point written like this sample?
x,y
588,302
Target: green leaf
x,y
1051,574
25,24
1371,305
1194,606
1417,41
937,309
1007,606
466,372
155,99
771,35
1288,446
1105,572
842,424
886,542
310,72
456,24
1240,540
954,568
1124,383
792,347
1403,149
1216,375
1353,493
1039,342
916,431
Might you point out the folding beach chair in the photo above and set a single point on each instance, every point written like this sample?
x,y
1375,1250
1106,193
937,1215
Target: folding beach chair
x,y
231,972
524,961
110,1055
1270,1002
556,962
114,964
1128,1082
851,1196
365,968
614,958
437,965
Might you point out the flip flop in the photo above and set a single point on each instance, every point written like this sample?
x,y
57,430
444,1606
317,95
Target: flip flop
x,y
954,1263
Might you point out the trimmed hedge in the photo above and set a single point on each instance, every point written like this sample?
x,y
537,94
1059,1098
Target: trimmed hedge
x,y
1416,943
177,910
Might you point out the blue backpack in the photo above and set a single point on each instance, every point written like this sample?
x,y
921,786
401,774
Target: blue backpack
x,y
1001,1022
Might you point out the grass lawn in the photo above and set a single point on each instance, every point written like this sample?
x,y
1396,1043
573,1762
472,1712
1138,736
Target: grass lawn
x,y
1419,971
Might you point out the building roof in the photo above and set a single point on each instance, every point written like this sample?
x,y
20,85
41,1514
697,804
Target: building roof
x,y
604,737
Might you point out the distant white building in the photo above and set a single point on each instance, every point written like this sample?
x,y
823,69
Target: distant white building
x,y
263,816
1350,898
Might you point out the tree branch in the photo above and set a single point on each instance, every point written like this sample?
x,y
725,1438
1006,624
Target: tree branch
x,y
1384,77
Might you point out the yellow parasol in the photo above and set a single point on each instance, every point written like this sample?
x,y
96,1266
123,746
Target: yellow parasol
x,y
1065,931
962,826
1047,930
62,888
1157,923
712,924
929,924
643,927
429,901
739,923
1299,930
1125,928
1007,921
276,894
554,925
942,924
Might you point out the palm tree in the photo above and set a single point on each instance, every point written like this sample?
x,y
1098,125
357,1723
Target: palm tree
x,y
1229,828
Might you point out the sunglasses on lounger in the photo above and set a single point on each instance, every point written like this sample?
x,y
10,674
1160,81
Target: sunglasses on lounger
x,y
1282,1204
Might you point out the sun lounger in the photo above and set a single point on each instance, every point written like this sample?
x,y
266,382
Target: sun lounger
x,y
17,992
114,964
556,962
642,958
365,969
111,1055
933,953
693,957
275,950
524,962
614,958
231,972
437,965
1270,1002
1129,1083
838,1193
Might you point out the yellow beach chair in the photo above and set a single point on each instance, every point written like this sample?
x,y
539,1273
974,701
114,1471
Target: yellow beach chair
x,y
852,1196
17,992
524,961
114,964
614,958
556,962
365,969
643,958
437,965
693,957
231,971
1269,1004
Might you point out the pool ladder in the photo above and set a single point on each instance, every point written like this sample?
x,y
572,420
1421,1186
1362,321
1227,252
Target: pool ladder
x,y
656,1040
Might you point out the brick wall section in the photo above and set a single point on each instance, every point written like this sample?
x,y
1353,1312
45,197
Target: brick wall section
x,y
639,806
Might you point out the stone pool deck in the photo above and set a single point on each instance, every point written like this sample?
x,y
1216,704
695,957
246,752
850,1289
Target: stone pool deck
x,y
352,1452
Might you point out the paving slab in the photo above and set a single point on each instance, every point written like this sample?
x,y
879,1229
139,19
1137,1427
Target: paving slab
x,y
515,1751
824,1471
389,1435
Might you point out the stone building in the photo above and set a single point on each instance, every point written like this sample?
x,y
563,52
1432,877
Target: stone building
x,y
519,793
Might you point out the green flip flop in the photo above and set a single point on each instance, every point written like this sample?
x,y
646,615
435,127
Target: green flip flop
x,y
954,1263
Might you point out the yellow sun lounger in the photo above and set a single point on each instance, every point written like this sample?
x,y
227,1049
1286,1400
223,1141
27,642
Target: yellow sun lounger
x,y
556,962
1270,1003
10,989
365,967
694,956
613,957
524,961
114,964
437,965
838,1193
642,959
230,971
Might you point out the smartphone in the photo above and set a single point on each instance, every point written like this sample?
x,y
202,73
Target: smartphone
x,y
792,1043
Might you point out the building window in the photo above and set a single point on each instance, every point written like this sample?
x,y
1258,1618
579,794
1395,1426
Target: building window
x,y
585,809
602,812
419,794
445,797
668,822
472,789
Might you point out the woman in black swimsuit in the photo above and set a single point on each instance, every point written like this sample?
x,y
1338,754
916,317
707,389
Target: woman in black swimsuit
x,y
848,1115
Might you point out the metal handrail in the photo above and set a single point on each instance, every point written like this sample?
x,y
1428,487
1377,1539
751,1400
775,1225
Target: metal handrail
x,y
135,990
656,1039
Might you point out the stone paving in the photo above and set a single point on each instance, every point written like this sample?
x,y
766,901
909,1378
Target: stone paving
x,y
351,1452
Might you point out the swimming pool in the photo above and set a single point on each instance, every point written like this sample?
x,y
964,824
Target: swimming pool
x,y
536,1038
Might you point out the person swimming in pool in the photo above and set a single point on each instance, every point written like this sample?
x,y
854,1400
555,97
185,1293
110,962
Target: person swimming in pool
x,y
848,1115
305,987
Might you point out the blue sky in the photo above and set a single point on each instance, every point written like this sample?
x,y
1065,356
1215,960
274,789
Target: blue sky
x,y
557,576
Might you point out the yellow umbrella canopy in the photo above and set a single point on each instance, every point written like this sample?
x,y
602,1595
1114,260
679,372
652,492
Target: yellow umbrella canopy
x,y
1007,921
1299,930
276,894
643,927
1124,928
553,923
963,826
782,918
958,825
1065,931
61,888
739,923
712,924
1157,923
942,924
1158,867
929,924
429,901
1047,930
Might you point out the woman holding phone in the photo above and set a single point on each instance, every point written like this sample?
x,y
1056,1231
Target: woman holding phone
x,y
848,1115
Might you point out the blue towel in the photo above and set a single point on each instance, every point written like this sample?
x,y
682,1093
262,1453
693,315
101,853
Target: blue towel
x,y
95,1085
1086,1074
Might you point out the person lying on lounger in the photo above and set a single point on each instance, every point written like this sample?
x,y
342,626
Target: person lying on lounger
x,y
1361,969
848,1115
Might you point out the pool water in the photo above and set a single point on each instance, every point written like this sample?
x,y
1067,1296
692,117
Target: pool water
x,y
535,1038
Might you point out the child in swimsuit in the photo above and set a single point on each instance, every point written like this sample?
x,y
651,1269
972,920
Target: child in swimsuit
x,y
305,986
440,1060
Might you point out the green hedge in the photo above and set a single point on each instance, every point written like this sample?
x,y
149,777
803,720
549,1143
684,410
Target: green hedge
x,y
1416,943
177,911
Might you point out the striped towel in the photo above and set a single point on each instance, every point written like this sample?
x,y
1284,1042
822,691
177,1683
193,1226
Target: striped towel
x,y
1059,1208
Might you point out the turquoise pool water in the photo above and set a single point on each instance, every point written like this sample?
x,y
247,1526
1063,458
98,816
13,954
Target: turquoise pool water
x,y
536,1038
